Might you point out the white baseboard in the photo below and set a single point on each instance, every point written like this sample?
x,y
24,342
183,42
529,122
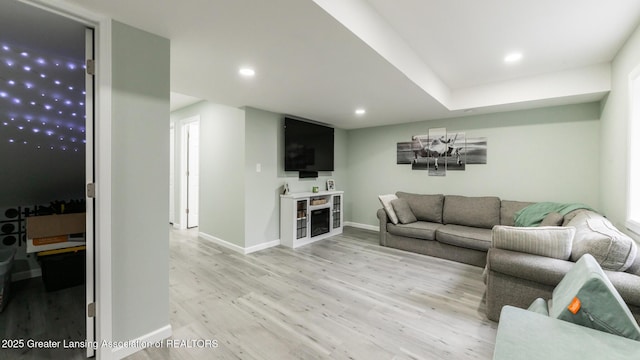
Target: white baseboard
x,y
362,226
236,248
133,346
262,246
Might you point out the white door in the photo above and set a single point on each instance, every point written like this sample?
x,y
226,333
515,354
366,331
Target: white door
x,y
172,194
193,173
89,163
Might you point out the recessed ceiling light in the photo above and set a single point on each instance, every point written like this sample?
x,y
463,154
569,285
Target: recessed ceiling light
x,y
513,57
247,72
360,111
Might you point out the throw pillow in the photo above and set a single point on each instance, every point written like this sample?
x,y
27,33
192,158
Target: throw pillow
x,y
385,200
549,241
595,235
552,219
403,211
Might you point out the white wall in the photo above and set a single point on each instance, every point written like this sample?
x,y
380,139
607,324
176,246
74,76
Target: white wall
x,y
222,149
238,204
614,133
140,182
265,146
548,154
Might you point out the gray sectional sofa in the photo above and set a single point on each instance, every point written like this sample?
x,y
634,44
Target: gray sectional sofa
x,y
516,277
527,262
448,226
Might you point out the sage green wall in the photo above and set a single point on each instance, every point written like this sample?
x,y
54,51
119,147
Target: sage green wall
x,y
140,182
614,133
222,149
547,154
265,146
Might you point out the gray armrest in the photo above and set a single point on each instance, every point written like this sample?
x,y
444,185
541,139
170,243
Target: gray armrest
x,y
541,269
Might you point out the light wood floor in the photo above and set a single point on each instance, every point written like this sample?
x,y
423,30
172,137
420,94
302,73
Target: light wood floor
x,y
340,298
33,313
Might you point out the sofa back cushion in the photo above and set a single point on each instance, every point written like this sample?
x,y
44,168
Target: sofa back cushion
x,y
595,235
482,212
508,209
424,207
549,241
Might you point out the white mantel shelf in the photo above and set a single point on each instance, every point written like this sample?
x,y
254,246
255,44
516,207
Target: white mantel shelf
x,y
310,194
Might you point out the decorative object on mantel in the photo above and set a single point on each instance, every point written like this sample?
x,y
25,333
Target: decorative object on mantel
x,y
285,189
331,185
315,189
440,151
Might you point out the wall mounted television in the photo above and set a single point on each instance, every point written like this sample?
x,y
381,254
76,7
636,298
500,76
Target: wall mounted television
x,y
308,147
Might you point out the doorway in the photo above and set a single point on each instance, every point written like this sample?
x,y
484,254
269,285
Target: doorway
x,y
47,113
190,166
172,175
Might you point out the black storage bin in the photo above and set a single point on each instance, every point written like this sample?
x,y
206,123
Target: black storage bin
x,y
60,271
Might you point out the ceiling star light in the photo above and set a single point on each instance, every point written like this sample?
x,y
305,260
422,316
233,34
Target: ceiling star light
x,y
37,81
360,112
513,58
247,72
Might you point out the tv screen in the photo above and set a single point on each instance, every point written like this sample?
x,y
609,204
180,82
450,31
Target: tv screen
x,y
307,146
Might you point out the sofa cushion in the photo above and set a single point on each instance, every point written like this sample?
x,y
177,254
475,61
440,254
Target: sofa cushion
x,y
549,241
403,211
552,219
481,212
424,207
385,200
595,235
586,297
464,236
419,230
508,209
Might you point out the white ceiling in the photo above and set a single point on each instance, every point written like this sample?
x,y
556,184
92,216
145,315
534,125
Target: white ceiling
x,y
401,60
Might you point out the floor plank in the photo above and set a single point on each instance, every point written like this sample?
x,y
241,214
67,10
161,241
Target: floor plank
x,y
35,314
341,298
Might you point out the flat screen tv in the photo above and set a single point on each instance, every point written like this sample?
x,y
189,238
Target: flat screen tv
x,y
307,146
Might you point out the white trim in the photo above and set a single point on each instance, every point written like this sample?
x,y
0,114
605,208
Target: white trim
x,y
90,265
184,167
218,241
236,248
103,286
362,226
262,246
102,107
133,345
632,222
27,274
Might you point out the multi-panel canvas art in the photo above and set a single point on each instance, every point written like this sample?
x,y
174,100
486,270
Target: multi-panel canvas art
x,y
439,151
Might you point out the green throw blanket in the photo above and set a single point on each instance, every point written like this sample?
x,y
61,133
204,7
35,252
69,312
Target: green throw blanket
x,y
533,215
